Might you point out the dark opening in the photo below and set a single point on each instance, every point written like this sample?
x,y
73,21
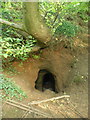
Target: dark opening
x,y
45,80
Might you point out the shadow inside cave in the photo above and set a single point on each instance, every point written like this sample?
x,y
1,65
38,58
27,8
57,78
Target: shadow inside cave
x,y
46,80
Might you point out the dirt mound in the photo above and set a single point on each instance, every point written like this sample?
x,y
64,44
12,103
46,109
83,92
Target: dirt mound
x,y
58,62
65,67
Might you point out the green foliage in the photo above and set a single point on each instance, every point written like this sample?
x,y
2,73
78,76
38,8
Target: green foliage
x,y
78,79
67,28
51,14
35,56
55,13
12,11
10,89
59,17
14,45
9,32
16,48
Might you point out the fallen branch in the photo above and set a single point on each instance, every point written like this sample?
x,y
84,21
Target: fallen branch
x,y
25,114
18,27
51,99
27,108
23,108
24,33
20,30
72,107
11,24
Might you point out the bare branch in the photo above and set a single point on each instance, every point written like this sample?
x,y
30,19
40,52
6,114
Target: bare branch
x,y
19,27
51,99
11,24
27,108
21,31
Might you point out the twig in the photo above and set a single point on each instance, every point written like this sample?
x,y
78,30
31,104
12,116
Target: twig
x,y
51,99
27,108
74,109
17,26
25,114
12,101
23,108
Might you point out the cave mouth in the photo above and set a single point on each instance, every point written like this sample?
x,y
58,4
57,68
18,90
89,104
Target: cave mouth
x,y
45,80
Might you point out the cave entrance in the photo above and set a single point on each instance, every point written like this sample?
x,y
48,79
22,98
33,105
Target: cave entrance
x,y
46,80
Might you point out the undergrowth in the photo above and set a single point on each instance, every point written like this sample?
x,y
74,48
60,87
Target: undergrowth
x,y
10,89
16,48
67,28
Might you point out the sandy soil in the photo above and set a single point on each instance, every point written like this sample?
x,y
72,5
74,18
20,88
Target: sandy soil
x,y
75,107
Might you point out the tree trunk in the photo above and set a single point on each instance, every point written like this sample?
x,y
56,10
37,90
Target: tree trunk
x,y
34,24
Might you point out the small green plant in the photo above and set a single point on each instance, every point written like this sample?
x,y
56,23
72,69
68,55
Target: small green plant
x,y
78,79
73,63
36,56
66,28
10,89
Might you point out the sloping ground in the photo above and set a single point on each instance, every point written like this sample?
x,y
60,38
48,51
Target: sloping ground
x,y
62,108
79,92
59,62
75,107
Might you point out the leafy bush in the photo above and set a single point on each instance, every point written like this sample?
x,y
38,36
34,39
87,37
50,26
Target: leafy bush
x,y
10,89
9,32
12,11
14,45
16,48
56,12
67,29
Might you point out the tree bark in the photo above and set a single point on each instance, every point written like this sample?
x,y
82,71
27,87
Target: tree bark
x,y
34,23
21,30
